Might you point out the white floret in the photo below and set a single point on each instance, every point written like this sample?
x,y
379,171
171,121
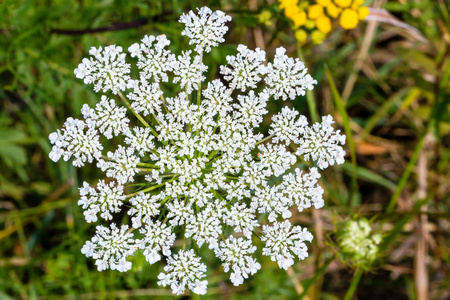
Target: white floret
x,y
188,73
78,140
157,238
242,219
322,144
184,270
286,127
286,77
140,139
303,189
144,207
145,97
154,61
245,69
205,30
107,198
284,242
251,109
121,164
236,255
110,248
106,69
206,225
110,119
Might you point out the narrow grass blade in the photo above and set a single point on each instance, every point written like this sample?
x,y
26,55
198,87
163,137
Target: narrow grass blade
x,y
348,132
310,99
369,176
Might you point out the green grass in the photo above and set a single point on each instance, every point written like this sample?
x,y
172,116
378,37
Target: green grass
x,y
396,120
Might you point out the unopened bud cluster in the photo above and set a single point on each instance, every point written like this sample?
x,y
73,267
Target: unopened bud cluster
x,y
358,245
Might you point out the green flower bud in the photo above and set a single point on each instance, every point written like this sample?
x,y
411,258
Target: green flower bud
x,y
358,245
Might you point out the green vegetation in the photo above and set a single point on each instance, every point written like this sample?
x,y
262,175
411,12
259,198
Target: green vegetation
x,y
387,84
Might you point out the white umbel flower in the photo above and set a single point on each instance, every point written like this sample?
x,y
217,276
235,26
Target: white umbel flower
x,y
303,189
236,254
110,248
145,97
110,119
205,30
76,140
196,166
107,69
284,242
189,73
144,206
121,164
286,127
154,61
245,69
321,143
184,271
158,237
106,198
287,78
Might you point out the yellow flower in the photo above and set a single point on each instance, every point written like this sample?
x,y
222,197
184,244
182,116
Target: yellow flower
x,y
265,17
317,37
363,12
292,12
333,11
303,4
299,19
323,2
301,35
288,3
343,3
323,24
315,11
357,3
310,24
349,19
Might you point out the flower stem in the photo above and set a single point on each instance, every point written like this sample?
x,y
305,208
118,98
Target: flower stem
x,y
153,187
162,99
199,91
140,118
156,119
264,139
352,289
147,165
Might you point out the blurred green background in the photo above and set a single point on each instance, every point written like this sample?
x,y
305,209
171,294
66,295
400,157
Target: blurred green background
x,y
387,83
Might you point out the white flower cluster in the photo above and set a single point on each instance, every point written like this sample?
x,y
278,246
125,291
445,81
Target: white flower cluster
x,y
110,248
184,271
205,30
283,240
107,69
193,166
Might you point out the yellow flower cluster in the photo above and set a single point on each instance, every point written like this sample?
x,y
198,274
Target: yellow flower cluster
x,y
316,17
